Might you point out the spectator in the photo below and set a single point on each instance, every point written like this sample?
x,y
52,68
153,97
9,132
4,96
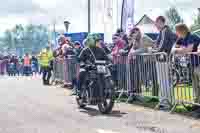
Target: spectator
x,y
34,65
26,65
164,43
13,65
68,53
20,66
166,38
135,43
46,57
77,48
77,51
123,36
118,45
132,50
187,43
120,61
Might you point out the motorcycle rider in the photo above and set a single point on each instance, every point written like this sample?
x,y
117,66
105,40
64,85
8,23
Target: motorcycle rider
x,y
88,55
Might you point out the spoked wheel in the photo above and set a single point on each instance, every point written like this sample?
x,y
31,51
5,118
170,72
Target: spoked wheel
x,y
82,101
176,77
107,105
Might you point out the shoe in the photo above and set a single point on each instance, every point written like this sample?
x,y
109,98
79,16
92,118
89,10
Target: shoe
x,y
74,92
196,114
195,107
46,83
164,107
131,99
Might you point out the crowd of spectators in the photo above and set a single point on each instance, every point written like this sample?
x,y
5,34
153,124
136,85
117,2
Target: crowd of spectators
x,y
127,46
16,66
123,50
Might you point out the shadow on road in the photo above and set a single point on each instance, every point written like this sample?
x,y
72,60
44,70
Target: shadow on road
x,y
94,112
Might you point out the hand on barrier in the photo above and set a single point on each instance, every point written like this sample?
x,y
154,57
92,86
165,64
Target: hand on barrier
x,y
194,53
173,51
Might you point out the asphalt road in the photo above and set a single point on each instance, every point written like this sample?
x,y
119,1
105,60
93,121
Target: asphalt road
x,y
26,106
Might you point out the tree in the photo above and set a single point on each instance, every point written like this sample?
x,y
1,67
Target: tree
x,y
8,40
29,38
196,25
173,17
18,34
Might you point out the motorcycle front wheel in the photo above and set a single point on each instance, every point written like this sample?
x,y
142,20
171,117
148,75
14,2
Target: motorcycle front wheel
x,y
107,105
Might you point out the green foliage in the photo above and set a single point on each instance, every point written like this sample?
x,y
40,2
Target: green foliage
x,y
173,17
7,40
30,38
196,25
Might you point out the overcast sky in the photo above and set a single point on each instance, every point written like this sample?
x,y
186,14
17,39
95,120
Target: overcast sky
x,y
45,11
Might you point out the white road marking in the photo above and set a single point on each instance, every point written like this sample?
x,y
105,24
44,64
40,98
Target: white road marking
x,y
105,131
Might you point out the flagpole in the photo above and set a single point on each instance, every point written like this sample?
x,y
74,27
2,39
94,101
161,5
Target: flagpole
x,y
122,13
89,16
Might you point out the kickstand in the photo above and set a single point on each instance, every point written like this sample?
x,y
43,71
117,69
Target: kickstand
x,y
120,95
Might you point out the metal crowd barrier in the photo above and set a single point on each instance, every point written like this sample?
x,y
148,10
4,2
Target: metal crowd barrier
x,y
120,75
186,73
70,69
58,71
172,79
66,70
146,75
3,67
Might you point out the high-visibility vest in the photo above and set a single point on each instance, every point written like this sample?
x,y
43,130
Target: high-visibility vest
x,y
44,60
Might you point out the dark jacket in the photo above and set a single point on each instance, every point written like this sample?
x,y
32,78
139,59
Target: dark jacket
x,y
90,54
77,51
166,40
69,52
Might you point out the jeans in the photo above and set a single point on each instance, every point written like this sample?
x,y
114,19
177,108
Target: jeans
x,y
196,83
134,75
27,70
164,81
46,74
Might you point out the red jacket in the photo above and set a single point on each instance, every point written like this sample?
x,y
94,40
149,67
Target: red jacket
x,y
118,46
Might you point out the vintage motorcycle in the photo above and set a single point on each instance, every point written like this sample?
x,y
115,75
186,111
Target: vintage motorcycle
x,y
98,88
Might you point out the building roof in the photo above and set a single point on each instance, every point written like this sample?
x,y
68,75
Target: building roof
x,y
147,25
145,20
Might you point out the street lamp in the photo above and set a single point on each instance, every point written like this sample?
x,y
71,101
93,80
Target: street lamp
x,y
66,23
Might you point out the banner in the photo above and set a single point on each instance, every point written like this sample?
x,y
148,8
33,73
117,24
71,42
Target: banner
x,y
127,15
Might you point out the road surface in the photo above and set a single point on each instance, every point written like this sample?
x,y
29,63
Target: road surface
x,y
26,106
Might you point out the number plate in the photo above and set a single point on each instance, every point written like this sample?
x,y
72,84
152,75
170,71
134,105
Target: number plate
x,y
101,69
